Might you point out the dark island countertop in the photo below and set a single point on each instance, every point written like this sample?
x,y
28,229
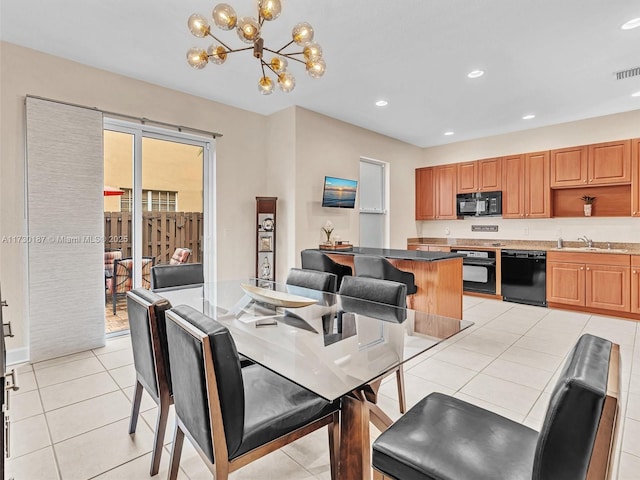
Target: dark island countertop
x,y
397,254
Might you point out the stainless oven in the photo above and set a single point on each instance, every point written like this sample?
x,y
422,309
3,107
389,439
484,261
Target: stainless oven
x,y
478,271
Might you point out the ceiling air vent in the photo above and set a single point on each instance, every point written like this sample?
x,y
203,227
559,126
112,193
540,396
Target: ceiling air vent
x,y
632,72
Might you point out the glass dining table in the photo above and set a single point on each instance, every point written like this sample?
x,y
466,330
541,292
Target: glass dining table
x,y
335,346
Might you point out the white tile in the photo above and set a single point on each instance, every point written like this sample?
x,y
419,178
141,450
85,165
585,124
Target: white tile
x,y
469,301
534,423
62,360
312,451
100,450
29,435
551,346
68,371
482,345
564,321
631,438
274,465
116,359
496,335
539,409
515,416
150,417
77,390
38,465
444,373
518,373
524,356
147,402
416,389
629,467
634,384
27,381
464,358
124,376
21,367
139,469
513,324
78,418
542,332
24,405
113,344
633,406
502,393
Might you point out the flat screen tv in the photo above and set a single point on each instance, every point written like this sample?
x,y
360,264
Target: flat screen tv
x,y
339,192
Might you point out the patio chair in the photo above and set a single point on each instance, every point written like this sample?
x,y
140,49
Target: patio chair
x,y
180,256
122,280
110,256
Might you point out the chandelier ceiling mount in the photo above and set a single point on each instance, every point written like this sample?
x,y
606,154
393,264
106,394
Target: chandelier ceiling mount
x,y
249,30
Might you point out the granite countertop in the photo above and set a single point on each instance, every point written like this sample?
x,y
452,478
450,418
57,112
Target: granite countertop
x,y
396,254
569,246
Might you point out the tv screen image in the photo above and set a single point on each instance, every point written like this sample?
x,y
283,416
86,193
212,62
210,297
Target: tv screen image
x,y
339,192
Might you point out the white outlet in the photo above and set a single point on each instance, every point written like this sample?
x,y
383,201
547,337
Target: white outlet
x,y
447,231
526,231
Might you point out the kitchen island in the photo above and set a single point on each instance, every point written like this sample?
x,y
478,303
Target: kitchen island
x,y
438,276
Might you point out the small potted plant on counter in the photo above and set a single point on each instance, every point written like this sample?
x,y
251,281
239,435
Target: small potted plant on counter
x,y
588,204
328,230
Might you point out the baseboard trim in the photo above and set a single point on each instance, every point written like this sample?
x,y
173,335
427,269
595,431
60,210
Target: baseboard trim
x,y
17,355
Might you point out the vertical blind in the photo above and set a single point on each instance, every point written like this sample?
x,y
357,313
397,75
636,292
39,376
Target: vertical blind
x,y
65,227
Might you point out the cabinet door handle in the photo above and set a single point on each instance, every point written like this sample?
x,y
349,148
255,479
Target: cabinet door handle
x,y
635,271
581,268
588,269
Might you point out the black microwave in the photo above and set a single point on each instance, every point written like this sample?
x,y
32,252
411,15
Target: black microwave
x,y
479,204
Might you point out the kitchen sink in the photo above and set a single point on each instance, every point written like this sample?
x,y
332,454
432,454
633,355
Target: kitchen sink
x,y
591,249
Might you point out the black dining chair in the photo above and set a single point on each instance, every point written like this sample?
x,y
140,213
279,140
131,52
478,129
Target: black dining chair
x,y
167,276
382,292
370,266
313,280
446,438
146,312
315,260
234,415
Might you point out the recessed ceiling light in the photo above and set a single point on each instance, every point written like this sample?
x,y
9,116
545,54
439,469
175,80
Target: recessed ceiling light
x,y
635,23
637,94
529,117
475,74
449,133
382,103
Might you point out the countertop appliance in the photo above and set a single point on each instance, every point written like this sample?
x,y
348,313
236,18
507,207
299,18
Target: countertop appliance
x,y
524,276
478,271
479,204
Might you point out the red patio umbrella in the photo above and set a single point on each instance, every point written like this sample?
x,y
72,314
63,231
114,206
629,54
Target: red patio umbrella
x,y
109,191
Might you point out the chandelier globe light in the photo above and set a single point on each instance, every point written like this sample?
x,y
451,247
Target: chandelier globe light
x,y
249,30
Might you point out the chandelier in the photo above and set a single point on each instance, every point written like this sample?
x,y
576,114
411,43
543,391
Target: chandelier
x,y
249,30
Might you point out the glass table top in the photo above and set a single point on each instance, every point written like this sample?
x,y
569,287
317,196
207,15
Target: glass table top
x,y
330,345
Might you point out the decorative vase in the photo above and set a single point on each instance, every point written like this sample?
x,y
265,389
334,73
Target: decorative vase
x,y
587,210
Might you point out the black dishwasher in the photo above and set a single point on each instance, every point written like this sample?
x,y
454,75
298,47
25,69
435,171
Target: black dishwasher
x,y
524,277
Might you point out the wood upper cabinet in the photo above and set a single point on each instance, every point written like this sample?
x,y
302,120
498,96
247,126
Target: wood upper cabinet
x,y
601,281
490,175
444,180
606,163
635,182
467,173
569,167
635,283
425,194
525,182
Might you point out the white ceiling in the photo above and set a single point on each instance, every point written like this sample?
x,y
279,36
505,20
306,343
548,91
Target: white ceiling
x,y
552,58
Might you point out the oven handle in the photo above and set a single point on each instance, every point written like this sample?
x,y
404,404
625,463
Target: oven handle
x,y
480,262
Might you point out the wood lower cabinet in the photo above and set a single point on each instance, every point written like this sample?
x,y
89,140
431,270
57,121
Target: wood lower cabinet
x,y
635,284
635,182
425,196
595,281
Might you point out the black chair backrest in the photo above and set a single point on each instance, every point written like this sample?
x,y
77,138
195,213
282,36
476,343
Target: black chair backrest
x,y
323,281
384,292
568,433
370,266
190,396
315,260
165,276
141,303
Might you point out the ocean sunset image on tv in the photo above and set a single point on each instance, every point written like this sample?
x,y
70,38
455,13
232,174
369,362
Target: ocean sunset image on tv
x,y
339,192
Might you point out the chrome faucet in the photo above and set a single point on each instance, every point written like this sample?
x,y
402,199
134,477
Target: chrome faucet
x,y
588,242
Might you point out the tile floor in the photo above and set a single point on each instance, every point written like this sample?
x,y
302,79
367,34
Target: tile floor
x,y
70,417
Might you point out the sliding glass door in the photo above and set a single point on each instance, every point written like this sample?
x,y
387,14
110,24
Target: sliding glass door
x,y
158,205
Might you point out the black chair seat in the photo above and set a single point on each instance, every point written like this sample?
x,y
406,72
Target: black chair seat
x,y
275,406
462,442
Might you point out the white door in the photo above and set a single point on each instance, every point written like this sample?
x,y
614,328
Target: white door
x,y
373,210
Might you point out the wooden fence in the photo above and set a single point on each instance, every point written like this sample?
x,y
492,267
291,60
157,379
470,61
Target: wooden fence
x,y
162,233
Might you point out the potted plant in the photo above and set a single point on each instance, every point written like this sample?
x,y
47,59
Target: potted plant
x,y
328,229
588,204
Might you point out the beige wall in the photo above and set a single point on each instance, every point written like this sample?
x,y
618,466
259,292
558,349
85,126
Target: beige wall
x,y
240,158
594,130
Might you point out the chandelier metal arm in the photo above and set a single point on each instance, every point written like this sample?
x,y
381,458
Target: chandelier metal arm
x,y
229,49
239,50
282,48
268,65
288,55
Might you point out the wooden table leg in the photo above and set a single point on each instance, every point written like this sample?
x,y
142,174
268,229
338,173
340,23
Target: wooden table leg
x,y
355,442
